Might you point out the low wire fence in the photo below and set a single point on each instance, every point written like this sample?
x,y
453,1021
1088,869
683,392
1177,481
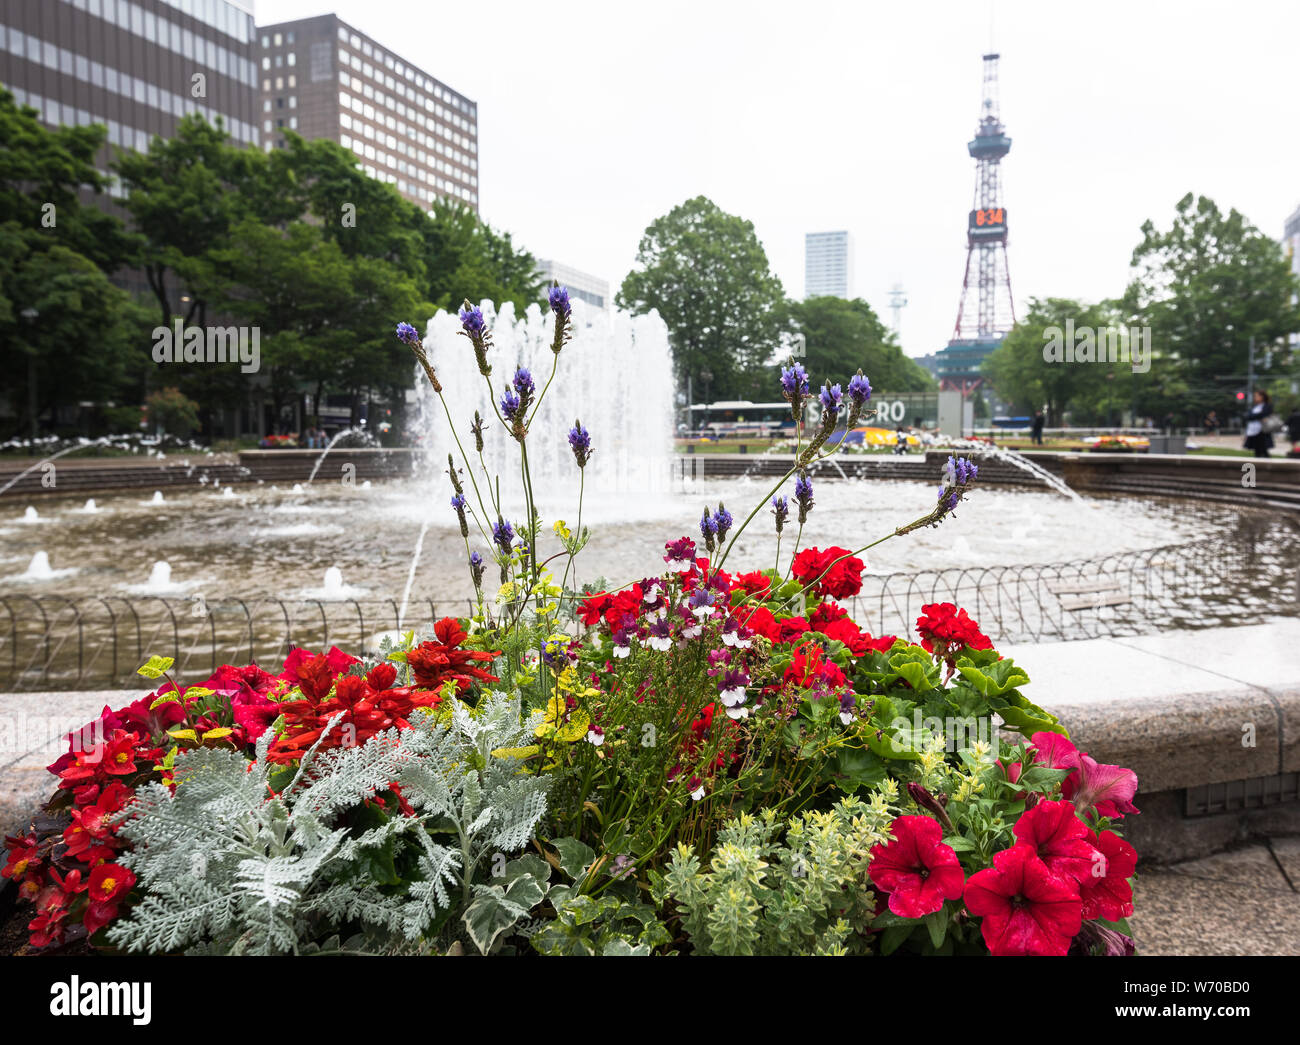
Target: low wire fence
x,y
1252,571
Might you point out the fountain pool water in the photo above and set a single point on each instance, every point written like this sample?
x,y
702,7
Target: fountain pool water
x,y
89,507
160,576
615,375
273,543
31,515
157,498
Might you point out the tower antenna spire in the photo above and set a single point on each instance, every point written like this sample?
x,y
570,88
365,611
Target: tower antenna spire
x,y
986,310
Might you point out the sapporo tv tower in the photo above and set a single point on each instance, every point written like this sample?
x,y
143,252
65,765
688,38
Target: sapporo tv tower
x,y
986,310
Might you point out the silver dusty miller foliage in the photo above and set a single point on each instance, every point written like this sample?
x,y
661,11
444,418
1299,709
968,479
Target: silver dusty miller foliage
x,y
229,866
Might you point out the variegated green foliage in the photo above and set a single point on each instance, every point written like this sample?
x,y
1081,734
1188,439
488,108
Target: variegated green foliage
x,y
807,892
228,864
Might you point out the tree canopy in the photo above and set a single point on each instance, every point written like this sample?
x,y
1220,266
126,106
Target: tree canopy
x,y
707,275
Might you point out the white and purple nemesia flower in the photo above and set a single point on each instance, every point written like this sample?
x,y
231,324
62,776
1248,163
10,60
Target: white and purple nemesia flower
x,y
661,636
622,643
701,603
697,788
732,693
681,555
690,627
735,635
595,735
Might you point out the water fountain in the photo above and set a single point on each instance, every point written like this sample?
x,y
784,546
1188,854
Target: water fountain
x,y
367,438
31,515
228,492
90,507
39,568
297,488
333,584
615,375
160,577
157,498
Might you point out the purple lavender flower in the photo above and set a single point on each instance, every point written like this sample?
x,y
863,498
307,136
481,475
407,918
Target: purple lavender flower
x,y
708,528
474,327
408,334
859,390
458,503
476,568
472,321
580,443
502,535
794,387
523,382
511,406
803,495
781,509
831,397
559,301
722,523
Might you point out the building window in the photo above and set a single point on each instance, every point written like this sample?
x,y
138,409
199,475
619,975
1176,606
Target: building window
x,y
278,39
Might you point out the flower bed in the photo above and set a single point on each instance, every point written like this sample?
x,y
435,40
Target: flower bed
x,y
702,761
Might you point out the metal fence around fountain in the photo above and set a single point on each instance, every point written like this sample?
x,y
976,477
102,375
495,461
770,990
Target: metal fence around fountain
x,y
55,642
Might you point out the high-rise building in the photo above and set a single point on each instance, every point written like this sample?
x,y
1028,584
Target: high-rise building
x,y
828,265
324,79
591,289
136,66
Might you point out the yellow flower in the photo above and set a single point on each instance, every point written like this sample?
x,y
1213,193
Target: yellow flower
x,y
561,529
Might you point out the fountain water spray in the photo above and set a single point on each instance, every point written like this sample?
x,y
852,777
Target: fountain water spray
x,y
615,375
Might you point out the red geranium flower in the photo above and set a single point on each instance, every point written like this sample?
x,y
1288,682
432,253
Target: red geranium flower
x,y
1107,893
917,870
1055,832
752,584
945,630
1025,909
808,666
840,581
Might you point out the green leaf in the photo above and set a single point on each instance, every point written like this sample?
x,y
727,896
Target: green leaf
x,y
892,938
490,914
993,679
575,856
937,925
155,667
620,947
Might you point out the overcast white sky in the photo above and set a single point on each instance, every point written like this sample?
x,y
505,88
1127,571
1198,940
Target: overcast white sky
x,y
596,116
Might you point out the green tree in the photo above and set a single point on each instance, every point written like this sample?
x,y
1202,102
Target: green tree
x,y
707,275
173,412
66,333
841,336
1204,287
466,258
1021,373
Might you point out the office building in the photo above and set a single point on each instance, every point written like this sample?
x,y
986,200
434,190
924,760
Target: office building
x,y
324,79
591,289
136,66
828,265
